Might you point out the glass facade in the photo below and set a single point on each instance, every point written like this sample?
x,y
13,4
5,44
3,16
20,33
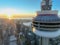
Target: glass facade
x,y
46,22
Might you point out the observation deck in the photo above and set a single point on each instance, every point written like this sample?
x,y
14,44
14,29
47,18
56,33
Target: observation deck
x,y
47,24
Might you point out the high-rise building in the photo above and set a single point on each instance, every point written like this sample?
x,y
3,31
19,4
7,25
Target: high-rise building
x,y
47,24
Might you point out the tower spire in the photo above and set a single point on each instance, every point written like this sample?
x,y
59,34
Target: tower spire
x,y
46,4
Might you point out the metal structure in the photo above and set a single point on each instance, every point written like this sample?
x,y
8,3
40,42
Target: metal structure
x,y
46,5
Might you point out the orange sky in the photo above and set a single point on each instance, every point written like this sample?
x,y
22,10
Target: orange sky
x,y
18,16
23,15
3,16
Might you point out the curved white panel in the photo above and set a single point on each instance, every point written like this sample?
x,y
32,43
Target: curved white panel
x,y
47,34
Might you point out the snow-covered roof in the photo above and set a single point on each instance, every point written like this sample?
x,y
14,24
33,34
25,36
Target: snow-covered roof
x,y
27,24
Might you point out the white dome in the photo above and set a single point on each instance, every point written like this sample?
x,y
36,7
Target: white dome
x,y
53,34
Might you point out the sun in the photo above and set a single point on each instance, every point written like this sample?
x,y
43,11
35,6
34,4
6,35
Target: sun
x,y
8,11
9,15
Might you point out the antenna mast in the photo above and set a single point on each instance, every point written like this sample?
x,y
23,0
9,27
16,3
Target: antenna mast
x,y
46,4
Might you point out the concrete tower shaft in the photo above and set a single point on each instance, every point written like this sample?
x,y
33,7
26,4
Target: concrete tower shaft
x,y
46,4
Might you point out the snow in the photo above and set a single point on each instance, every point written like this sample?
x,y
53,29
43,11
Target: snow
x,y
29,34
28,23
13,43
13,40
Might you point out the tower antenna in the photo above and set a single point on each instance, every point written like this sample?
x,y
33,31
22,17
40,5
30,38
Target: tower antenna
x,y
46,4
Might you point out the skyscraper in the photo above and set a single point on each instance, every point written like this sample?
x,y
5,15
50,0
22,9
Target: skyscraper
x,y
47,23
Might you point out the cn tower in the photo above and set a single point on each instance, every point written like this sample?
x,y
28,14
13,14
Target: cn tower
x,y
47,23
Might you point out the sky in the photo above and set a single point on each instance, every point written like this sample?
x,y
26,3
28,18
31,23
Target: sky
x,y
24,6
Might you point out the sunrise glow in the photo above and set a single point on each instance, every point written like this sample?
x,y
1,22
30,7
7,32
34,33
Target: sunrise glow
x,y
11,13
8,12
